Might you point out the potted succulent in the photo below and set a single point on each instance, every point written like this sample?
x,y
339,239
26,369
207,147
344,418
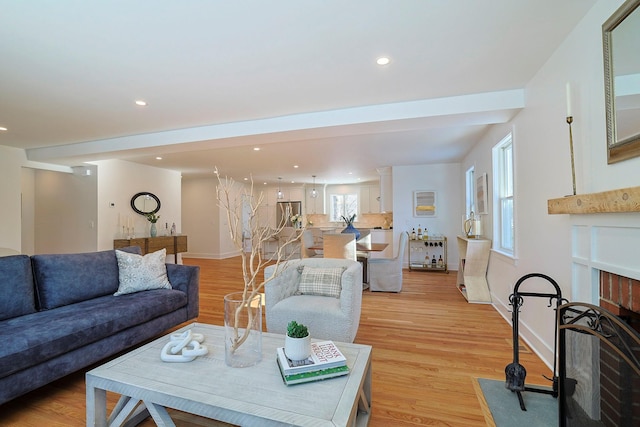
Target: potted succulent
x,y
297,344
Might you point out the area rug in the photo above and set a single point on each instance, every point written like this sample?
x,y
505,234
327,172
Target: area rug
x,y
501,407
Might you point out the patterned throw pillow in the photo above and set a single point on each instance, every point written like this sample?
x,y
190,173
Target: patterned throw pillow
x,y
141,273
320,281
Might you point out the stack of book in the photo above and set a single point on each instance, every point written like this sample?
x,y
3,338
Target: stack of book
x,y
326,361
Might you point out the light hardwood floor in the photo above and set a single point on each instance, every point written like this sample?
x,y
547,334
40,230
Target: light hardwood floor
x,y
428,346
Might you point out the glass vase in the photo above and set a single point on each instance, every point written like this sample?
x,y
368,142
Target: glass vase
x,y
153,231
242,330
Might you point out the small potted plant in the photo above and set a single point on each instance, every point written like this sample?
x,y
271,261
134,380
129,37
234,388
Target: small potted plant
x,y
297,344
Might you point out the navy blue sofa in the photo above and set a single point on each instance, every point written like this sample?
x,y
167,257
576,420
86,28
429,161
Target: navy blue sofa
x,y
58,314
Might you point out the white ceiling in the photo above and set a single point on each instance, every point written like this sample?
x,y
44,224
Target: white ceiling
x,y
296,78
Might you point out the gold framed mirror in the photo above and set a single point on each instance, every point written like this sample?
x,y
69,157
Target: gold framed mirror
x,y
621,42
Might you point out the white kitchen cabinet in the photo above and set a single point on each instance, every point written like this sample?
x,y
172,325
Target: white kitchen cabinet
x,y
369,199
386,189
363,200
374,198
296,194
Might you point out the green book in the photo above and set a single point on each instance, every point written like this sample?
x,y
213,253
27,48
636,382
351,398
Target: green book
x,y
305,377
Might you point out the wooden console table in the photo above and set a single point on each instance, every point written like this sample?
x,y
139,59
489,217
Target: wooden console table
x,y
173,244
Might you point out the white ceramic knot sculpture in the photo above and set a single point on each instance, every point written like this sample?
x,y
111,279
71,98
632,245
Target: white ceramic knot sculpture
x,y
183,347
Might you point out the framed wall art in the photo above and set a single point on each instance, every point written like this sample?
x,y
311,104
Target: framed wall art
x,y
481,195
424,204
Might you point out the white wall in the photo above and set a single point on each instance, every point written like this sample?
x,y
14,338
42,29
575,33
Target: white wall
x,y
64,215
118,182
543,170
201,217
204,221
11,160
28,199
445,180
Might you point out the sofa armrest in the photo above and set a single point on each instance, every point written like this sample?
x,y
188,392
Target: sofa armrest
x,y
186,278
351,293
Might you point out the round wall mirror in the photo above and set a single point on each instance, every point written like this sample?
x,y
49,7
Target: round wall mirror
x,y
145,203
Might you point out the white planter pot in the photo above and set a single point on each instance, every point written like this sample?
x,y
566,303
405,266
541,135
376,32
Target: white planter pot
x,y
297,348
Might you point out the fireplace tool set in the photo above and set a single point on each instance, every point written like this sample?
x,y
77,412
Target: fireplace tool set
x,y
515,372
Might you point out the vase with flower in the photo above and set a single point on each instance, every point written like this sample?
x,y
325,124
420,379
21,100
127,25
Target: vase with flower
x,y
350,228
296,220
153,218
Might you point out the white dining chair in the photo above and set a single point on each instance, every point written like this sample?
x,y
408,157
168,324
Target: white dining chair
x,y
385,274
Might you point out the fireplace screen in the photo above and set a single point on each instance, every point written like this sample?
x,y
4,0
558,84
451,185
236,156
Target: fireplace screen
x,y
599,368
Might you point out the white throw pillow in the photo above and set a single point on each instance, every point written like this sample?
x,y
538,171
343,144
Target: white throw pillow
x,y
142,273
320,281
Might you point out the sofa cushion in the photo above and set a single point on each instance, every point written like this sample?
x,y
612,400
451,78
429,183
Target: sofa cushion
x,y
320,281
17,296
141,273
38,337
63,279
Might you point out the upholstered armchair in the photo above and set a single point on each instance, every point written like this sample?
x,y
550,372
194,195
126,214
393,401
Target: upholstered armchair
x,y
330,308
385,274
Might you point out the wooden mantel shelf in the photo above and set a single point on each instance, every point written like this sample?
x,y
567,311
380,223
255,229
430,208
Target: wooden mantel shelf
x,y
622,200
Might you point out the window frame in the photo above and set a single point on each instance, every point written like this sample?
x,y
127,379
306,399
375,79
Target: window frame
x,y
470,191
504,235
348,213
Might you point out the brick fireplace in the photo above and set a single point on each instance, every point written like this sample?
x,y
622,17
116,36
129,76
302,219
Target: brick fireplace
x,y
619,387
605,273
621,296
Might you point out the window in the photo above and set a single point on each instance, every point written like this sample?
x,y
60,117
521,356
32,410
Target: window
x,y
342,205
470,198
504,226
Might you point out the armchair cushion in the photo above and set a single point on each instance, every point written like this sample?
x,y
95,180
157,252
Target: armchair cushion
x,y
320,281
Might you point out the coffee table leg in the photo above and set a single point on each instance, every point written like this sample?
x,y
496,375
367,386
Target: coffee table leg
x,y
96,400
160,415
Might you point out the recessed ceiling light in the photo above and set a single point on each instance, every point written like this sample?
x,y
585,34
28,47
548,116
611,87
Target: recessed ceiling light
x,y
383,60
296,166
158,158
2,128
256,148
141,103
246,179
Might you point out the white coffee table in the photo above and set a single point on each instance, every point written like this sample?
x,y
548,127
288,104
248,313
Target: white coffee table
x,y
254,396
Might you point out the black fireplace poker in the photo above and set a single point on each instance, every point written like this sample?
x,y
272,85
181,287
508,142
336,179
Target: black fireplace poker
x,y
516,373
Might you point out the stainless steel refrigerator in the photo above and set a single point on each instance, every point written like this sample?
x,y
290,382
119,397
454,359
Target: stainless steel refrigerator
x,y
285,210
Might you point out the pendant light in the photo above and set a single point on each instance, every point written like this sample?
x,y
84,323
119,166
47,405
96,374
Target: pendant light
x,y
314,193
280,195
